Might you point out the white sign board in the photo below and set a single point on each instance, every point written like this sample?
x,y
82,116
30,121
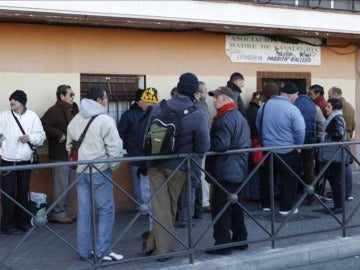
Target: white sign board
x,y
260,49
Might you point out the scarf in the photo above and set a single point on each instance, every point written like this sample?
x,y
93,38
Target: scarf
x,y
327,122
224,109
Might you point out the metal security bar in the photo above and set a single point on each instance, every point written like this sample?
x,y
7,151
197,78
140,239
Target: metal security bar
x,y
272,227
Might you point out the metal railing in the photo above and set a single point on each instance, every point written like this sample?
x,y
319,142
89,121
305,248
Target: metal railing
x,y
273,233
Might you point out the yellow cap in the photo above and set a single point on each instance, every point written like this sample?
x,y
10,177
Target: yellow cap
x,y
150,95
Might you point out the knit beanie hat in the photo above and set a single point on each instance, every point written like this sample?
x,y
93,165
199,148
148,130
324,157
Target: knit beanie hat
x,y
150,95
289,88
20,96
188,84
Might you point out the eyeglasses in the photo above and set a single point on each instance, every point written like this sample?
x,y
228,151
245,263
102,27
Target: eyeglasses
x,y
72,94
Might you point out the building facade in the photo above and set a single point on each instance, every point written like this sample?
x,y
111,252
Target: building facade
x,y
124,45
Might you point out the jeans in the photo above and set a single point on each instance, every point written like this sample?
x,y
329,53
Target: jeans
x,y
104,203
136,183
145,192
348,181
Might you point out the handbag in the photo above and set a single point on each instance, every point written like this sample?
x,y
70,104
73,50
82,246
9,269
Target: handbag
x,y
256,156
333,153
34,155
75,145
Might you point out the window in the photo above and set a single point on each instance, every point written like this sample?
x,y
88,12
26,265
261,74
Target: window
x,y
121,90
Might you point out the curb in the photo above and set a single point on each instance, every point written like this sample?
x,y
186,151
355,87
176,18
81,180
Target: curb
x,y
280,258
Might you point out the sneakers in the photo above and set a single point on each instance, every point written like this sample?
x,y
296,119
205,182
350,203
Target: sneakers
x,y
285,213
349,198
112,256
265,209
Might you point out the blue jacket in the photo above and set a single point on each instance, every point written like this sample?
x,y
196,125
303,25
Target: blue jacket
x,y
230,132
194,136
283,124
128,128
308,110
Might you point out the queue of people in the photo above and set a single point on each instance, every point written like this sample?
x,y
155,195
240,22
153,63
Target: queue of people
x,y
277,116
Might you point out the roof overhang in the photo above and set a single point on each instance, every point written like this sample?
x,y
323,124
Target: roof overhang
x,y
210,16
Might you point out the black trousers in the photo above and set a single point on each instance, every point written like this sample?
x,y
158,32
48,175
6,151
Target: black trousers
x,y
230,227
333,174
288,180
198,200
16,185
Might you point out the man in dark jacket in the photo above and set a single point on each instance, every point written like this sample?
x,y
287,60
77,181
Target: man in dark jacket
x,y
55,122
235,83
229,131
127,128
193,138
308,110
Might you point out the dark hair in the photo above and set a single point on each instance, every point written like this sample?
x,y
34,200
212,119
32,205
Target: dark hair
x,y
336,90
236,76
95,92
138,94
173,92
62,90
316,88
270,90
336,104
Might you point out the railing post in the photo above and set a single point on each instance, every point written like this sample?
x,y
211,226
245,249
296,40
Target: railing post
x,y
190,205
272,199
343,189
93,219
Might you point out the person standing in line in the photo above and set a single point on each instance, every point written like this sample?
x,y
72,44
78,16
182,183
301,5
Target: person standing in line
x,y
55,122
236,83
127,128
282,125
102,141
308,110
253,186
148,98
229,131
316,93
349,116
193,137
334,130
15,150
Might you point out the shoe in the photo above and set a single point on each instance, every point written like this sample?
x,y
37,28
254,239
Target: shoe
x,y
23,228
349,198
164,259
335,210
112,256
145,235
148,252
12,231
85,258
182,224
241,247
61,220
265,209
207,209
285,213
73,218
220,251
197,216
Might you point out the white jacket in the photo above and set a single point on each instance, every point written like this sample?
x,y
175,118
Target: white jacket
x,y
12,149
102,140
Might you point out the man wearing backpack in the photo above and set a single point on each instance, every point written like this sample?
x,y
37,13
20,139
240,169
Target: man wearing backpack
x,y
193,137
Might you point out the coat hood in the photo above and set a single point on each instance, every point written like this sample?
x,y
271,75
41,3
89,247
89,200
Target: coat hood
x,y
89,108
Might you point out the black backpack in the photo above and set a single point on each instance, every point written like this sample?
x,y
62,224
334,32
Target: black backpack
x,y
162,135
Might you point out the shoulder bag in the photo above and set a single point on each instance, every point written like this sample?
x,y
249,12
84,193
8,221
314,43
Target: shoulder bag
x,y
34,155
74,151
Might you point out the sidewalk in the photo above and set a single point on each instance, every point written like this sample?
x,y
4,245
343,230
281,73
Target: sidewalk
x,y
43,250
